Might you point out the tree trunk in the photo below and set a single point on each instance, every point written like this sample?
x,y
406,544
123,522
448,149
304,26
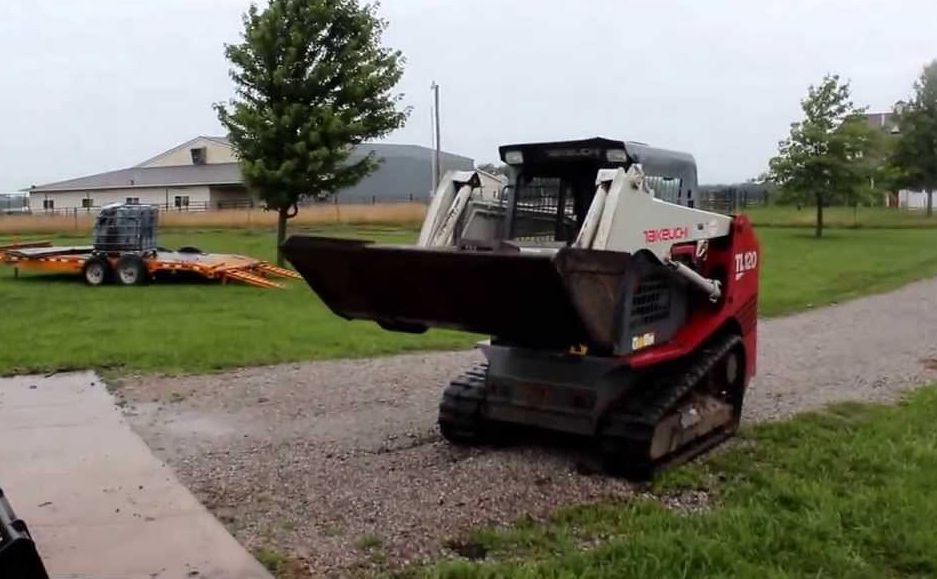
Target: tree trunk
x,y
819,230
930,202
282,216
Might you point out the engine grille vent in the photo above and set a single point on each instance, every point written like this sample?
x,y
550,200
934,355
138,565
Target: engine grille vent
x,y
651,301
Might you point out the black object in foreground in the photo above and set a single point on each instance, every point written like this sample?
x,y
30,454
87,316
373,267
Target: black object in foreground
x,y
18,554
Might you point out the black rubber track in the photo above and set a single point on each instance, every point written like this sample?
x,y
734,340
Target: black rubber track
x,y
460,419
627,433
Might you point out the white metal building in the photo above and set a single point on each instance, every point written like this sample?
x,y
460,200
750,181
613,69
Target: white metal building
x,y
913,199
203,173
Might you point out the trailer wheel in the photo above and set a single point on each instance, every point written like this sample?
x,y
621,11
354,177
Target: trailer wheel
x,y
131,270
190,249
96,271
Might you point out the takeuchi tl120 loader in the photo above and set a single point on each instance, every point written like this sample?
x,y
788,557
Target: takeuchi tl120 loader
x,y
616,308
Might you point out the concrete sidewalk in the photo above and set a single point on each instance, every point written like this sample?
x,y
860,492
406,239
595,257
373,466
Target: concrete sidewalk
x,y
97,501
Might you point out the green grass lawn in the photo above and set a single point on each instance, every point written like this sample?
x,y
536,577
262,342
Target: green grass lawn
x,y
799,271
847,492
55,323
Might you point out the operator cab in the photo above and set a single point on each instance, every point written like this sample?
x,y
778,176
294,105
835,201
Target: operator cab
x,y
553,183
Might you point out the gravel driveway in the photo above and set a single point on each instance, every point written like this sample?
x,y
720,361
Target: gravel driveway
x,y
339,462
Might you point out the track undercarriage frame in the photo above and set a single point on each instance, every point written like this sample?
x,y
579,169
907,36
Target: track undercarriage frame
x,y
641,423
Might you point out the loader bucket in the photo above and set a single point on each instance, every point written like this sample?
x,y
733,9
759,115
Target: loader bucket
x,y
542,300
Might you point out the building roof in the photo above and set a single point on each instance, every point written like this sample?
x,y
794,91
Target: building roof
x,y
208,174
217,174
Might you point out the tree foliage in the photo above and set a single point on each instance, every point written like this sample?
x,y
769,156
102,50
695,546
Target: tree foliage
x,y
312,82
914,156
826,157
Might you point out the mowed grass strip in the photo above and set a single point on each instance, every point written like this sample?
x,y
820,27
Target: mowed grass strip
x,y
847,492
840,217
800,272
52,322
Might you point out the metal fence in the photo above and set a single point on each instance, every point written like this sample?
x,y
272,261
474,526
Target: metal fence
x,y
207,206
724,199
731,199
13,204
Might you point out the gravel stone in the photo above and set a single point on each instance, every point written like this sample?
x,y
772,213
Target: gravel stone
x,y
336,461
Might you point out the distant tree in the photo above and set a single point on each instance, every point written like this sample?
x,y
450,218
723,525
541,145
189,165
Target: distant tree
x,y
914,156
824,157
313,82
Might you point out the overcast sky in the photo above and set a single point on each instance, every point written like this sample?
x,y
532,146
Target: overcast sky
x,y
96,85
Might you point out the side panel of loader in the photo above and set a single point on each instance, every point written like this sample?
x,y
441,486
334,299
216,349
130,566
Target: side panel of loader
x,y
551,390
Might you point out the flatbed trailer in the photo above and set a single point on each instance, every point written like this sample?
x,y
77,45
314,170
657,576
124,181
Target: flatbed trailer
x,y
125,251
134,269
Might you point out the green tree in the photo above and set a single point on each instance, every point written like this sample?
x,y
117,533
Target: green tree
x,y
823,160
915,149
312,82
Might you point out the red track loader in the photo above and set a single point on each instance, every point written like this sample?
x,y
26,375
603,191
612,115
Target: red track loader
x,y
616,308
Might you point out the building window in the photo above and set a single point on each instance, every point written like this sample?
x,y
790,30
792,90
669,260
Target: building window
x,y
199,156
133,200
182,200
87,203
48,203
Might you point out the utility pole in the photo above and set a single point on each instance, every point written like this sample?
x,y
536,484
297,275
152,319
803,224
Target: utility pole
x,y
436,166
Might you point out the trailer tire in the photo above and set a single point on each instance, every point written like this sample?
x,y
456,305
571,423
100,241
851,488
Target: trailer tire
x,y
131,270
190,249
96,271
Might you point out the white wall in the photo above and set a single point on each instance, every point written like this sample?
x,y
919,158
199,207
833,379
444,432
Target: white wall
x,y
914,199
198,195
